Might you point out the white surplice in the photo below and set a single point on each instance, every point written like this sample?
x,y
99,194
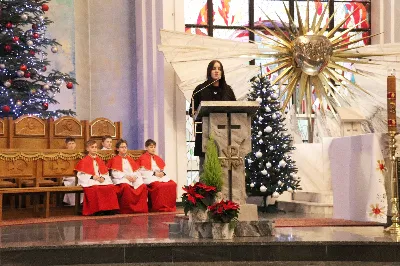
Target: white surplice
x,y
85,179
148,175
119,177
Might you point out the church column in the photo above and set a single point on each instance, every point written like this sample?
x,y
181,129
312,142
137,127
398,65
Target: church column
x,y
161,106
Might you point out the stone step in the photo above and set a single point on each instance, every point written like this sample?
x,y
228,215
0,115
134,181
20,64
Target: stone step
x,y
319,197
305,207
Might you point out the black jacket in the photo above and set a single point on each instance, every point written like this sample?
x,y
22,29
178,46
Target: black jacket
x,y
211,93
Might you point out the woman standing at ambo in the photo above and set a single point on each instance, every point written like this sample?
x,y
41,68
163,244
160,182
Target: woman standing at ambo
x,y
213,89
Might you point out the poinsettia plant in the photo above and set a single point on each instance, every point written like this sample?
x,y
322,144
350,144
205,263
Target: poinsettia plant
x,y
224,211
198,195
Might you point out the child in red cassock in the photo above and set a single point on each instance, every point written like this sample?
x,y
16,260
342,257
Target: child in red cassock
x,y
162,190
132,194
100,194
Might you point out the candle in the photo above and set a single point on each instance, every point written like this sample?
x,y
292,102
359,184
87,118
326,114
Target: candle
x,y
391,103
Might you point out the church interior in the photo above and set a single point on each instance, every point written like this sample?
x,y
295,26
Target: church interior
x,y
199,132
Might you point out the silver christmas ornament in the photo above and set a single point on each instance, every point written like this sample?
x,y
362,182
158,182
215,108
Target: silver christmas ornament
x,y
260,118
264,172
263,188
268,129
268,165
7,84
271,148
261,141
267,109
249,161
41,18
252,185
275,194
58,82
258,154
54,49
279,182
24,17
282,163
20,73
290,189
273,116
46,87
259,100
29,43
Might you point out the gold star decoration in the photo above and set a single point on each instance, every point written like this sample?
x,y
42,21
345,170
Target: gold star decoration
x,y
308,57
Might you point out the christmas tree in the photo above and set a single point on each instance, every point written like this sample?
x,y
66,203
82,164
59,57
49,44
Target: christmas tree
x,y
270,169
26,86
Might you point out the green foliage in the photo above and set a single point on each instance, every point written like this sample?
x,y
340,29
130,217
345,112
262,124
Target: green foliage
x,y
212,174
27,84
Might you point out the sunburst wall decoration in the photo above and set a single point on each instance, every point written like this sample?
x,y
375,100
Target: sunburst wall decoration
x,y
309,57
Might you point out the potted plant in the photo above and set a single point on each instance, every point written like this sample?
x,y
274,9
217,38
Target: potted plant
x,y
196,199
212,170
224,216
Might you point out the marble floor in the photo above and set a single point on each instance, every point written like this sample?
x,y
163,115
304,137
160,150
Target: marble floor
x,y
155,229
147,239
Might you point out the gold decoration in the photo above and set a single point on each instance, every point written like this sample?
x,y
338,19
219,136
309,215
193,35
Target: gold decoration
x,y
29,126
67,126
101,127
53,156
309,57
33,156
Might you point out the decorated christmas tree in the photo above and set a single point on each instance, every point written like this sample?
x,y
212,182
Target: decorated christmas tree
x,y
270,169
26,85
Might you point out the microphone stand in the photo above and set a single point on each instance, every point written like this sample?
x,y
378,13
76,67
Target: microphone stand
x,y
193,111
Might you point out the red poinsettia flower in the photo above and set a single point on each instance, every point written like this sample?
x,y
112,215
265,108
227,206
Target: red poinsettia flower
x,y
191,199
189,189
205,187
224,211
230,205
198,196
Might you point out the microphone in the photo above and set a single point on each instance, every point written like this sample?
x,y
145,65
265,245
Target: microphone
x,y
192,99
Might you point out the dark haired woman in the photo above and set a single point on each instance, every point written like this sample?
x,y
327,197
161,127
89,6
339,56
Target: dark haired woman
x,y
213,89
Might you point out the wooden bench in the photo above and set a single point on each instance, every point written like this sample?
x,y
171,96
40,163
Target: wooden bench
x,y
46,192
33,158
38,166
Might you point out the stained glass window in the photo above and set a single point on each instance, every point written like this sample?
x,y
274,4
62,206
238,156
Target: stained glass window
x,y
231,12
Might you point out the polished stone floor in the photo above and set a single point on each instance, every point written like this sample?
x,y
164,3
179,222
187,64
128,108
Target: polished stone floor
x,y
155,229
129,240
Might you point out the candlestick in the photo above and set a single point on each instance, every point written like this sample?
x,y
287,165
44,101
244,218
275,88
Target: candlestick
x,y
392,131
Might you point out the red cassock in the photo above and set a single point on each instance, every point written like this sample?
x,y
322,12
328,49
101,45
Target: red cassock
x,y
162,195
131,200
97,197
